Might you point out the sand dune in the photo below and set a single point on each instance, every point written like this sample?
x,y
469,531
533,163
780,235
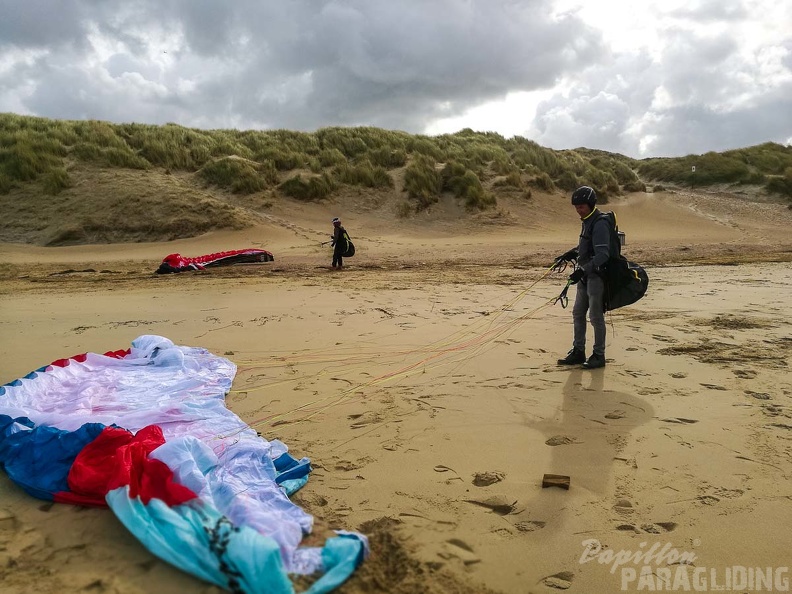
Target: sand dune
x,y
422,383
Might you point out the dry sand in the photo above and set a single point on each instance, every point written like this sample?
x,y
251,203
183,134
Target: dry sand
x,y
422,383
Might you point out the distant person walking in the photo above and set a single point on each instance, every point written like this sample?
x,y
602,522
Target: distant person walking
x,y
340,242
592,254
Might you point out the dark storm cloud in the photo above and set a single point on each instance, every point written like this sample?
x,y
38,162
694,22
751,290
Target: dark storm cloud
x,y
34,23
299,64
306,64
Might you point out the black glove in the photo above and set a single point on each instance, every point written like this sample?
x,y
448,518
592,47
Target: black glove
x,y
561,261
568,256
576,276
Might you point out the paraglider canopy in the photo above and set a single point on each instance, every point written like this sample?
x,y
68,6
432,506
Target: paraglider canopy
x,y
179,263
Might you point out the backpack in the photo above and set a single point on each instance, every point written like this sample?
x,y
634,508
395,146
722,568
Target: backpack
x,y
350,247
625,282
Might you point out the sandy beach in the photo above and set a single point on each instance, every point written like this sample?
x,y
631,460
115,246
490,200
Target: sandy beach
x,y
422,383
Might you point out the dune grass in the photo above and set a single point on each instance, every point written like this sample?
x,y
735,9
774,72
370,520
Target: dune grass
x,y
40,156
31,147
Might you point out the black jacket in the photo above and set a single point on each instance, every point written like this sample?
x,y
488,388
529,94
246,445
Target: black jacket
x,y
594,247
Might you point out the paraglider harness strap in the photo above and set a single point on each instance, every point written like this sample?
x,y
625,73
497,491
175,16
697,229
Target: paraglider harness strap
x,y
562,297
560,265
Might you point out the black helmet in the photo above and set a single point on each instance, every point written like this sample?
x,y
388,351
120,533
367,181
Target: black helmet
x,y
584,195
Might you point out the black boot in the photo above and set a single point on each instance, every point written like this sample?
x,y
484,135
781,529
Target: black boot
x,y
574,357
594,362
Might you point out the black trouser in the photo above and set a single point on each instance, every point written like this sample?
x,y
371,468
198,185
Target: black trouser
x,y
337,259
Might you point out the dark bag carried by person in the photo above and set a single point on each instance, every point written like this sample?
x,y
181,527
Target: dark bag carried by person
x,y
625,282
350,247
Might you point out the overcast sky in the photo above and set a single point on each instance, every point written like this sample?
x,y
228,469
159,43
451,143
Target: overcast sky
x,y
641,78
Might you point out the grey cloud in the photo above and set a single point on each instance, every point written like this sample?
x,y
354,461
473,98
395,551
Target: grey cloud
x,y
711,11
306,64
696,69
699,95
597,120
36,23
697,129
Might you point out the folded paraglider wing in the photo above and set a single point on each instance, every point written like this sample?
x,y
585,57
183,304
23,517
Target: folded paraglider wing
x,y
179,263
145,432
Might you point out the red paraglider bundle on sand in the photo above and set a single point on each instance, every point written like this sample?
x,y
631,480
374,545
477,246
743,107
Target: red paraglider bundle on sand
x,y
179,263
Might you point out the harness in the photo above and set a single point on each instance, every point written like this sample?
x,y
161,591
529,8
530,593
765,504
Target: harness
x,y
625,282
613,228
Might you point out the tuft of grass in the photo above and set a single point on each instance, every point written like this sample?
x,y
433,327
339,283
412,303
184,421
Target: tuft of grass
x,y
332,157
6,184
542,181
465,184
239,175
403,210
26,154
780,184
387,157
422,182
56,180
309,189
512,180
635,186
364,174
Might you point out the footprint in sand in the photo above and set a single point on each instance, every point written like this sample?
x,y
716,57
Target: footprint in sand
x,y
364,419
659,527
349,465
745,373
679,375
662,338
729,493
758,395
616,414
497,504
624,507
707,499
558,440
8,525
487,478
649,391
559,581
530,525
459,549
680,420
772,410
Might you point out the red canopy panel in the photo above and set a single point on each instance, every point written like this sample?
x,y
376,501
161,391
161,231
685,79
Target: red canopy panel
x,y
179,263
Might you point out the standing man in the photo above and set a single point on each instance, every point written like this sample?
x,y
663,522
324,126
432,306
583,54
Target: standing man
x,y
339,242
592,254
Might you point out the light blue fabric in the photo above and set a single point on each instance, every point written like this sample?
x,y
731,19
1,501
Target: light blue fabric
x,y
198,539
294,485
340,556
